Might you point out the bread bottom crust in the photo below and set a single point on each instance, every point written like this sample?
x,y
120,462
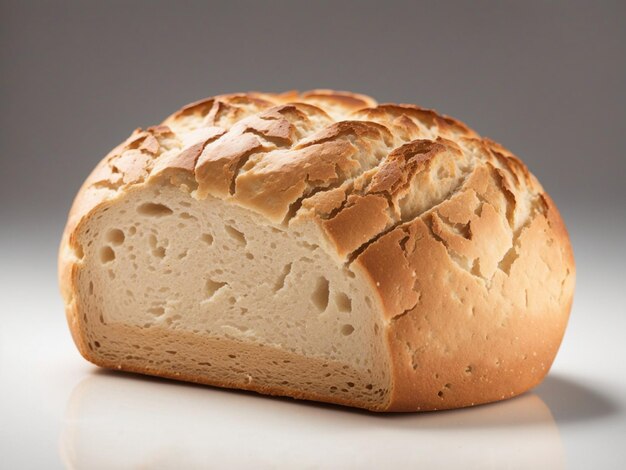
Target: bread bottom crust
x,y
264,369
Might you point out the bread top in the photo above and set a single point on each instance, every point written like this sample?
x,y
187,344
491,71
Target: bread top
x,y
272,152
352,165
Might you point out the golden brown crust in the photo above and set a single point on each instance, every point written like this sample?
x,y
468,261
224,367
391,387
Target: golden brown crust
x,y
346,100
477,307
468,256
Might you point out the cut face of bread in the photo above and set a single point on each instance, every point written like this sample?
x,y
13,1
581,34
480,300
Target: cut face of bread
x,y
319,246
211,290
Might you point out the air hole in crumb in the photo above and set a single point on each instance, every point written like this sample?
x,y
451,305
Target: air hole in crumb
x,y
152,209
320,294
152,240
212,287
132,230
309,246
249,255
238,236
369,386
280,282
440,394
156,311
115,236
347,330
90,287
96,344
232,300
344,304
159,252
187,215
107,254
207,238
468,370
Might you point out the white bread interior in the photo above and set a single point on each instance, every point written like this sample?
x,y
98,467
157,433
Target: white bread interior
x,y
159,262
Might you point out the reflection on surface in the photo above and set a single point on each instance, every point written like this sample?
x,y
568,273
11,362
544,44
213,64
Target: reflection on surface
x,y
574,402
124,421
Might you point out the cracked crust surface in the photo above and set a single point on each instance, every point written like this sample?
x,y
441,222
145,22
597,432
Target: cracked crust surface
x,y
467,255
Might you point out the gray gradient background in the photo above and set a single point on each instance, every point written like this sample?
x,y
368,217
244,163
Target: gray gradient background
x,y
547,79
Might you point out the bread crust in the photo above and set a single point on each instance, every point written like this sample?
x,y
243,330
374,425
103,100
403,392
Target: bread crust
x,y
468,256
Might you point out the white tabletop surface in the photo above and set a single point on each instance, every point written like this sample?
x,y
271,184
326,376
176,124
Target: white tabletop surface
x,y
57,410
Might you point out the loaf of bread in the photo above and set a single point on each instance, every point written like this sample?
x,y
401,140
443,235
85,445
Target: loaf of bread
x,y
319,246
